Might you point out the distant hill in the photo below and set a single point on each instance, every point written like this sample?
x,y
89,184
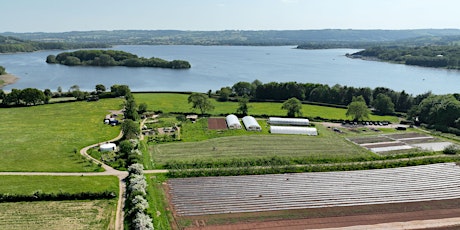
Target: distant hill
x,y
10,44
237,37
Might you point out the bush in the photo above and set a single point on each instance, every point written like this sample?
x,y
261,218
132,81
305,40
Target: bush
x,y
451,149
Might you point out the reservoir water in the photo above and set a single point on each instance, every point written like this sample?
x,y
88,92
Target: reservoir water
x,y
216,66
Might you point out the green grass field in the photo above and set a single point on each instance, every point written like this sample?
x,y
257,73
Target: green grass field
x,y
170,102
53,184
327,145
57,215
43,138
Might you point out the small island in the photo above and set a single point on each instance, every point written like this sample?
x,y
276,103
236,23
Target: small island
x,y
112,58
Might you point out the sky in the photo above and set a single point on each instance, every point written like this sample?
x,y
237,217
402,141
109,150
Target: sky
x,y
84,15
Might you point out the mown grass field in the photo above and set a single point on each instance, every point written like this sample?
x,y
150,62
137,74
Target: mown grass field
x,y
326,145
44,138
53,184
171,102
58,215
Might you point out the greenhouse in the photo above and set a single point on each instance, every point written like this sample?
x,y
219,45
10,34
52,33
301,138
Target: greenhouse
x,y
251,123
293,130
233,122
288,121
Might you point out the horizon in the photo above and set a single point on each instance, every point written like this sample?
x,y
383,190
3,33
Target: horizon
x,y
51,16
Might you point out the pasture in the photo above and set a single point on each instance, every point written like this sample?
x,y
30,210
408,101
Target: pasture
x,y
57,215
47,138
177,103
53,184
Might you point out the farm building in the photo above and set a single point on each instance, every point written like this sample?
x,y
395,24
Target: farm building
x,y
251,123
233,122
107,147
288,121
293,130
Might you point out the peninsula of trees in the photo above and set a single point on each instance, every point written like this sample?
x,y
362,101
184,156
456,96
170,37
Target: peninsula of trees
x,y
14,45
113,58
426,56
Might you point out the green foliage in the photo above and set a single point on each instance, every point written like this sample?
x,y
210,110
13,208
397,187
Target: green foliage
x,y
441,56
224,93
28,96
242,88
452,149
112,58
293,107
2,70
440,110
357,109
142,108
130,111
243,105
130,129
383,104
201,102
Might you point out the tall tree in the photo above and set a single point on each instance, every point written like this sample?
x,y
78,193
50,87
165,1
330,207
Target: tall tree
x,y
293,107
383,104
32,96
201,102
243,105
100,88
130,108
357,109
130,129
241,88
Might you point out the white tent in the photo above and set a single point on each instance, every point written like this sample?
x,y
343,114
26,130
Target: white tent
x,y
293,130
233,122
107,147
251,123
288,121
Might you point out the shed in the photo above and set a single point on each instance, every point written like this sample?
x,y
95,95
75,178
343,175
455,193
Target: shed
x,y
288,121
233,122
251,123
107,147
293,130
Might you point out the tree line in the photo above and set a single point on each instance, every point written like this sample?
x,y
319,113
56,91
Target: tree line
x,y
15,45
113,58
319,93
426,56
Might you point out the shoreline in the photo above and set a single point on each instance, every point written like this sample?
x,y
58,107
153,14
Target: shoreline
x,y
7,79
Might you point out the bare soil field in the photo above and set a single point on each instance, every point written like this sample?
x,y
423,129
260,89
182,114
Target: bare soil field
x,y
217,123
337,217
317,200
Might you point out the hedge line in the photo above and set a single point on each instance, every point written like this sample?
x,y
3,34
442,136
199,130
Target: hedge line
x,y
60,196
307,168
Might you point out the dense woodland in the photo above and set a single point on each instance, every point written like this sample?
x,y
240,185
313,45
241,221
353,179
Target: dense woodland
x,y
113,58
15,45
427,56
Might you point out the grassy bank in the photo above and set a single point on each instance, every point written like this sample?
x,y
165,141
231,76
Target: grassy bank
x,y
47,138
171,102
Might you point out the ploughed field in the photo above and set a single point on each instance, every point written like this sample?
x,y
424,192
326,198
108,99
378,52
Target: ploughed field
x,y
240,194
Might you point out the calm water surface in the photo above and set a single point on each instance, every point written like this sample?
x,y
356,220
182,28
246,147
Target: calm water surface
x,y
216,66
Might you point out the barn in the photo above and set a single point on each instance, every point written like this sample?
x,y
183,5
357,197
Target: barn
x,y
233,122
288,121
251,123
293,130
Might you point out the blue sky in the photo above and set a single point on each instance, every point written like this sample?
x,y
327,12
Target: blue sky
x,y
81,15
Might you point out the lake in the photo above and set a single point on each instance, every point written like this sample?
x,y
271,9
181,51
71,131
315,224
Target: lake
x,y
216,66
